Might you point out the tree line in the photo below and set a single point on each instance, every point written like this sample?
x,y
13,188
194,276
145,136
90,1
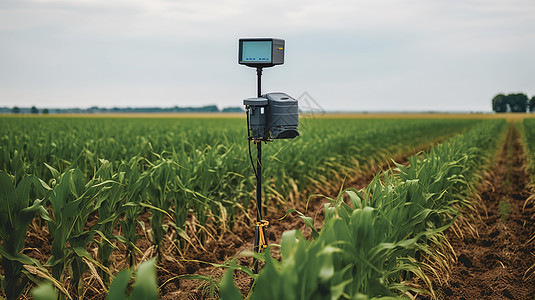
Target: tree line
x,y
518,102
96,109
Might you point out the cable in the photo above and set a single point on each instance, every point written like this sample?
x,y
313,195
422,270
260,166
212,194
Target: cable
x,y
257,175
251,159
249,142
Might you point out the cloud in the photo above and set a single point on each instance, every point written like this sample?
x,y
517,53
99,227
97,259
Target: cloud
x,y
338,49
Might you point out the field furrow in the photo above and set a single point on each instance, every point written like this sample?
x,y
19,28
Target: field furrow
x,y
494,259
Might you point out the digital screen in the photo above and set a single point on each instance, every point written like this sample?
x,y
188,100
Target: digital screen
x,y
256,51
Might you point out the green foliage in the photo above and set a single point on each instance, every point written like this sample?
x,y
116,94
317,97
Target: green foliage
x,y
344,152
528,129
531,104
112,203
134,185
518,102
499,103
504,207
218,152
161,190
73,199
228,291
514,102
114,170
145,286
369,242
18,206
44,292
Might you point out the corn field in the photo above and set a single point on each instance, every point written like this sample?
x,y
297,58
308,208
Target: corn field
x,y
108,198
370,241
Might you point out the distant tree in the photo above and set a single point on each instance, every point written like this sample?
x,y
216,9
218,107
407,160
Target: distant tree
x,y
34,110
517,102
207,108
531,104
499,103
234,109
45,111
15,110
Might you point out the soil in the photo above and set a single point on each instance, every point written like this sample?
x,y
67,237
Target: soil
x,y
496,263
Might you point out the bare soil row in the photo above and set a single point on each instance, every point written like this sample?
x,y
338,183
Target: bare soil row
x,y
497,261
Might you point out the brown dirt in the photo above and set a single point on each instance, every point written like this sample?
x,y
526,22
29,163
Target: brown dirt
x,y
495,264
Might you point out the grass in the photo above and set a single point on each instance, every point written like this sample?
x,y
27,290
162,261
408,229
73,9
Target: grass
x,y
505,208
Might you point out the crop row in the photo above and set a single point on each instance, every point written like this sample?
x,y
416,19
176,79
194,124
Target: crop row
x,y
218,145
209,157
90,178
373,242
529,143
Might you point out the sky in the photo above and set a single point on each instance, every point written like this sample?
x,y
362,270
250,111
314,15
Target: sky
x,y
360,55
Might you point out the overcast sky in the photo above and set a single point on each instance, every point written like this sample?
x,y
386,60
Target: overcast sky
x,y
442,55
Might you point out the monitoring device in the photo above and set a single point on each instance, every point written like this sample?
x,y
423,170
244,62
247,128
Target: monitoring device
x,y
270,116
261,52
273,115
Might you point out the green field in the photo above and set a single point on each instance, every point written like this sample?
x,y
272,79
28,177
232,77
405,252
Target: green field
x,y
107,190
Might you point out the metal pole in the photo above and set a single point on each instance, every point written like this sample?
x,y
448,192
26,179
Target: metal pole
x,y
257,248
259,182
259,83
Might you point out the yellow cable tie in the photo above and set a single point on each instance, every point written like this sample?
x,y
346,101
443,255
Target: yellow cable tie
x,y
262,239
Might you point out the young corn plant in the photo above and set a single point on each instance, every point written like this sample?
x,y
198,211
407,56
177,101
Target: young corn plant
x,y
135,186
187,194
145,285
144,288
72,199
14,162
161,191
308,271
18,206
110,206
195,186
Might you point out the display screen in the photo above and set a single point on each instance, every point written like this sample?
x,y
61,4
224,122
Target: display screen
x,y
256,51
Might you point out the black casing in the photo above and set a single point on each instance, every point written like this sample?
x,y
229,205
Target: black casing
x,y
277,52
257,117
282,117
273,116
